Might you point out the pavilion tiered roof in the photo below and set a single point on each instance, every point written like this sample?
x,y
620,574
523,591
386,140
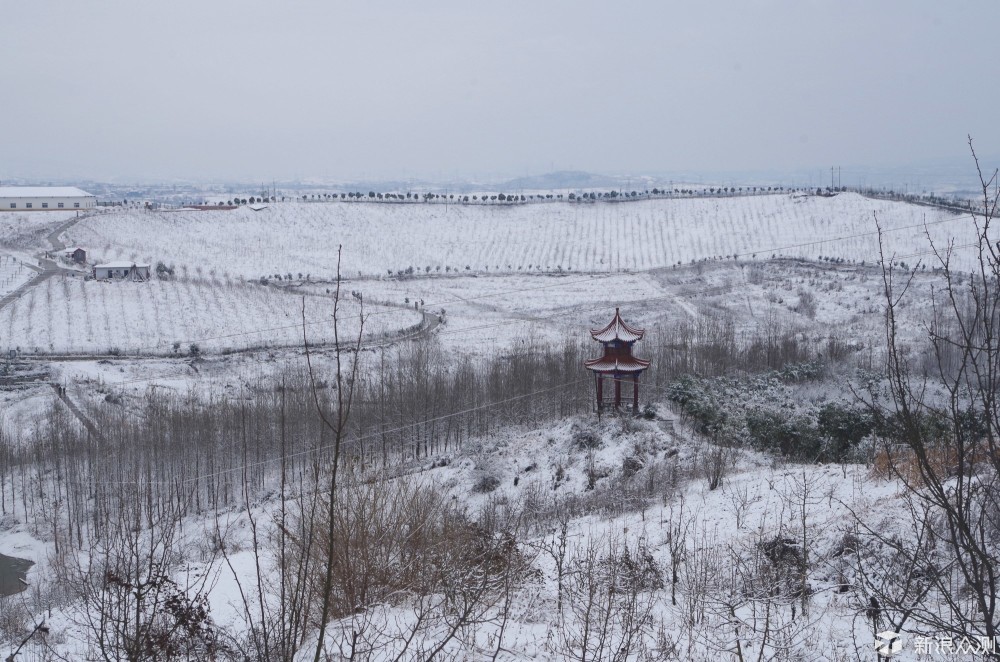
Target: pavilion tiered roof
x,y
617,329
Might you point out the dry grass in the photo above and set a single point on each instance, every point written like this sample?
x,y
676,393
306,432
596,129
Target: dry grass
x,y
899,461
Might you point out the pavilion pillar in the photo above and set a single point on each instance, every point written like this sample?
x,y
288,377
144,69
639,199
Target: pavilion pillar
x,y
618,391
600,390
635,393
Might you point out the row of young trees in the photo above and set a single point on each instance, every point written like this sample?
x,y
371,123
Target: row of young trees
x,y
613,195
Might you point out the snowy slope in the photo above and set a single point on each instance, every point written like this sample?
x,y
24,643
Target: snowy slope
x,y
13,274
70,315
436,238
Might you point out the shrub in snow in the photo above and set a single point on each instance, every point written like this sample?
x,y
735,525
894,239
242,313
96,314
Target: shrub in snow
x,y
486,484
163,272
714,466
637,569
586,439
631,465
842,428
790,436
8,522
610,600
697,405
807,304
595,472
785,563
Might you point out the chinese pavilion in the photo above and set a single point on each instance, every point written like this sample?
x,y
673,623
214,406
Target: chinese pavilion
x,y
617,363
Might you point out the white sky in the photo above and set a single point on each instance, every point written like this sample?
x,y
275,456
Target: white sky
x,y
469,89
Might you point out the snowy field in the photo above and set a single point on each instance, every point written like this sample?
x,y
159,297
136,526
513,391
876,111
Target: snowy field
x,y
493,313
25,235
13,274
300,238
481,314
70,315
490,313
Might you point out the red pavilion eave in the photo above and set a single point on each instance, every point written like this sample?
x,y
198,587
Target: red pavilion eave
x,y
616,364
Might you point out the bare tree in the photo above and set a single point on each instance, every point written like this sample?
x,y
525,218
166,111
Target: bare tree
x,y
941,439
556,545
336,422
128,602
611,594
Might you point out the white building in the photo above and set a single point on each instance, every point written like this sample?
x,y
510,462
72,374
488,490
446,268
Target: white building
x,y
44,198
121,271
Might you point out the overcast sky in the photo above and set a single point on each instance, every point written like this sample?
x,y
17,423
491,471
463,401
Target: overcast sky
x,y
262,90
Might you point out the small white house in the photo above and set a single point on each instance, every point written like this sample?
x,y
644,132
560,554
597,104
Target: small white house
x,y
122,271
44,198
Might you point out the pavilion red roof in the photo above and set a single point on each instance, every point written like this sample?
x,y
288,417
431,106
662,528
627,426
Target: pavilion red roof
x,y
617,329
616,364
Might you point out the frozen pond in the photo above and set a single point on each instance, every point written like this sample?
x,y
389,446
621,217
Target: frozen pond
x,y
11,571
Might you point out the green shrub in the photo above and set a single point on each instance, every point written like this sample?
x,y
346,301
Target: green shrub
x,y
791,437
704,412
842,427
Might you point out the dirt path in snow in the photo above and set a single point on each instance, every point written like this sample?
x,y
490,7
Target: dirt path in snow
x,y
76,411
49,266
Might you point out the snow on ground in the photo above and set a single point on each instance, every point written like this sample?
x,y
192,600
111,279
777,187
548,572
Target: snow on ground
x,y
70,315
13,273
24,235
486,311
21,410
755,504
537,272
294,238
493,313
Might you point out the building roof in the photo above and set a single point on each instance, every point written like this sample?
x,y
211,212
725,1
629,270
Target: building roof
x,y
616,364
617,329
43,192
121,265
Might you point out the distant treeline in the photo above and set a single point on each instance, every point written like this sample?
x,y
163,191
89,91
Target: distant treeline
x,y
501,198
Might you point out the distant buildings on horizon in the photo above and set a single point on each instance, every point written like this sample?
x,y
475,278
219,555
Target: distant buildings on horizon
x,y
45,198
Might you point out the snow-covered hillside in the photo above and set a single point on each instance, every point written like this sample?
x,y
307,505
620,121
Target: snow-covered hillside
x,y
13,274
300,238
70,315
593,497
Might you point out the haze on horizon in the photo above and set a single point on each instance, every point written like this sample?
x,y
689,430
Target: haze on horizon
x,y
265,90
